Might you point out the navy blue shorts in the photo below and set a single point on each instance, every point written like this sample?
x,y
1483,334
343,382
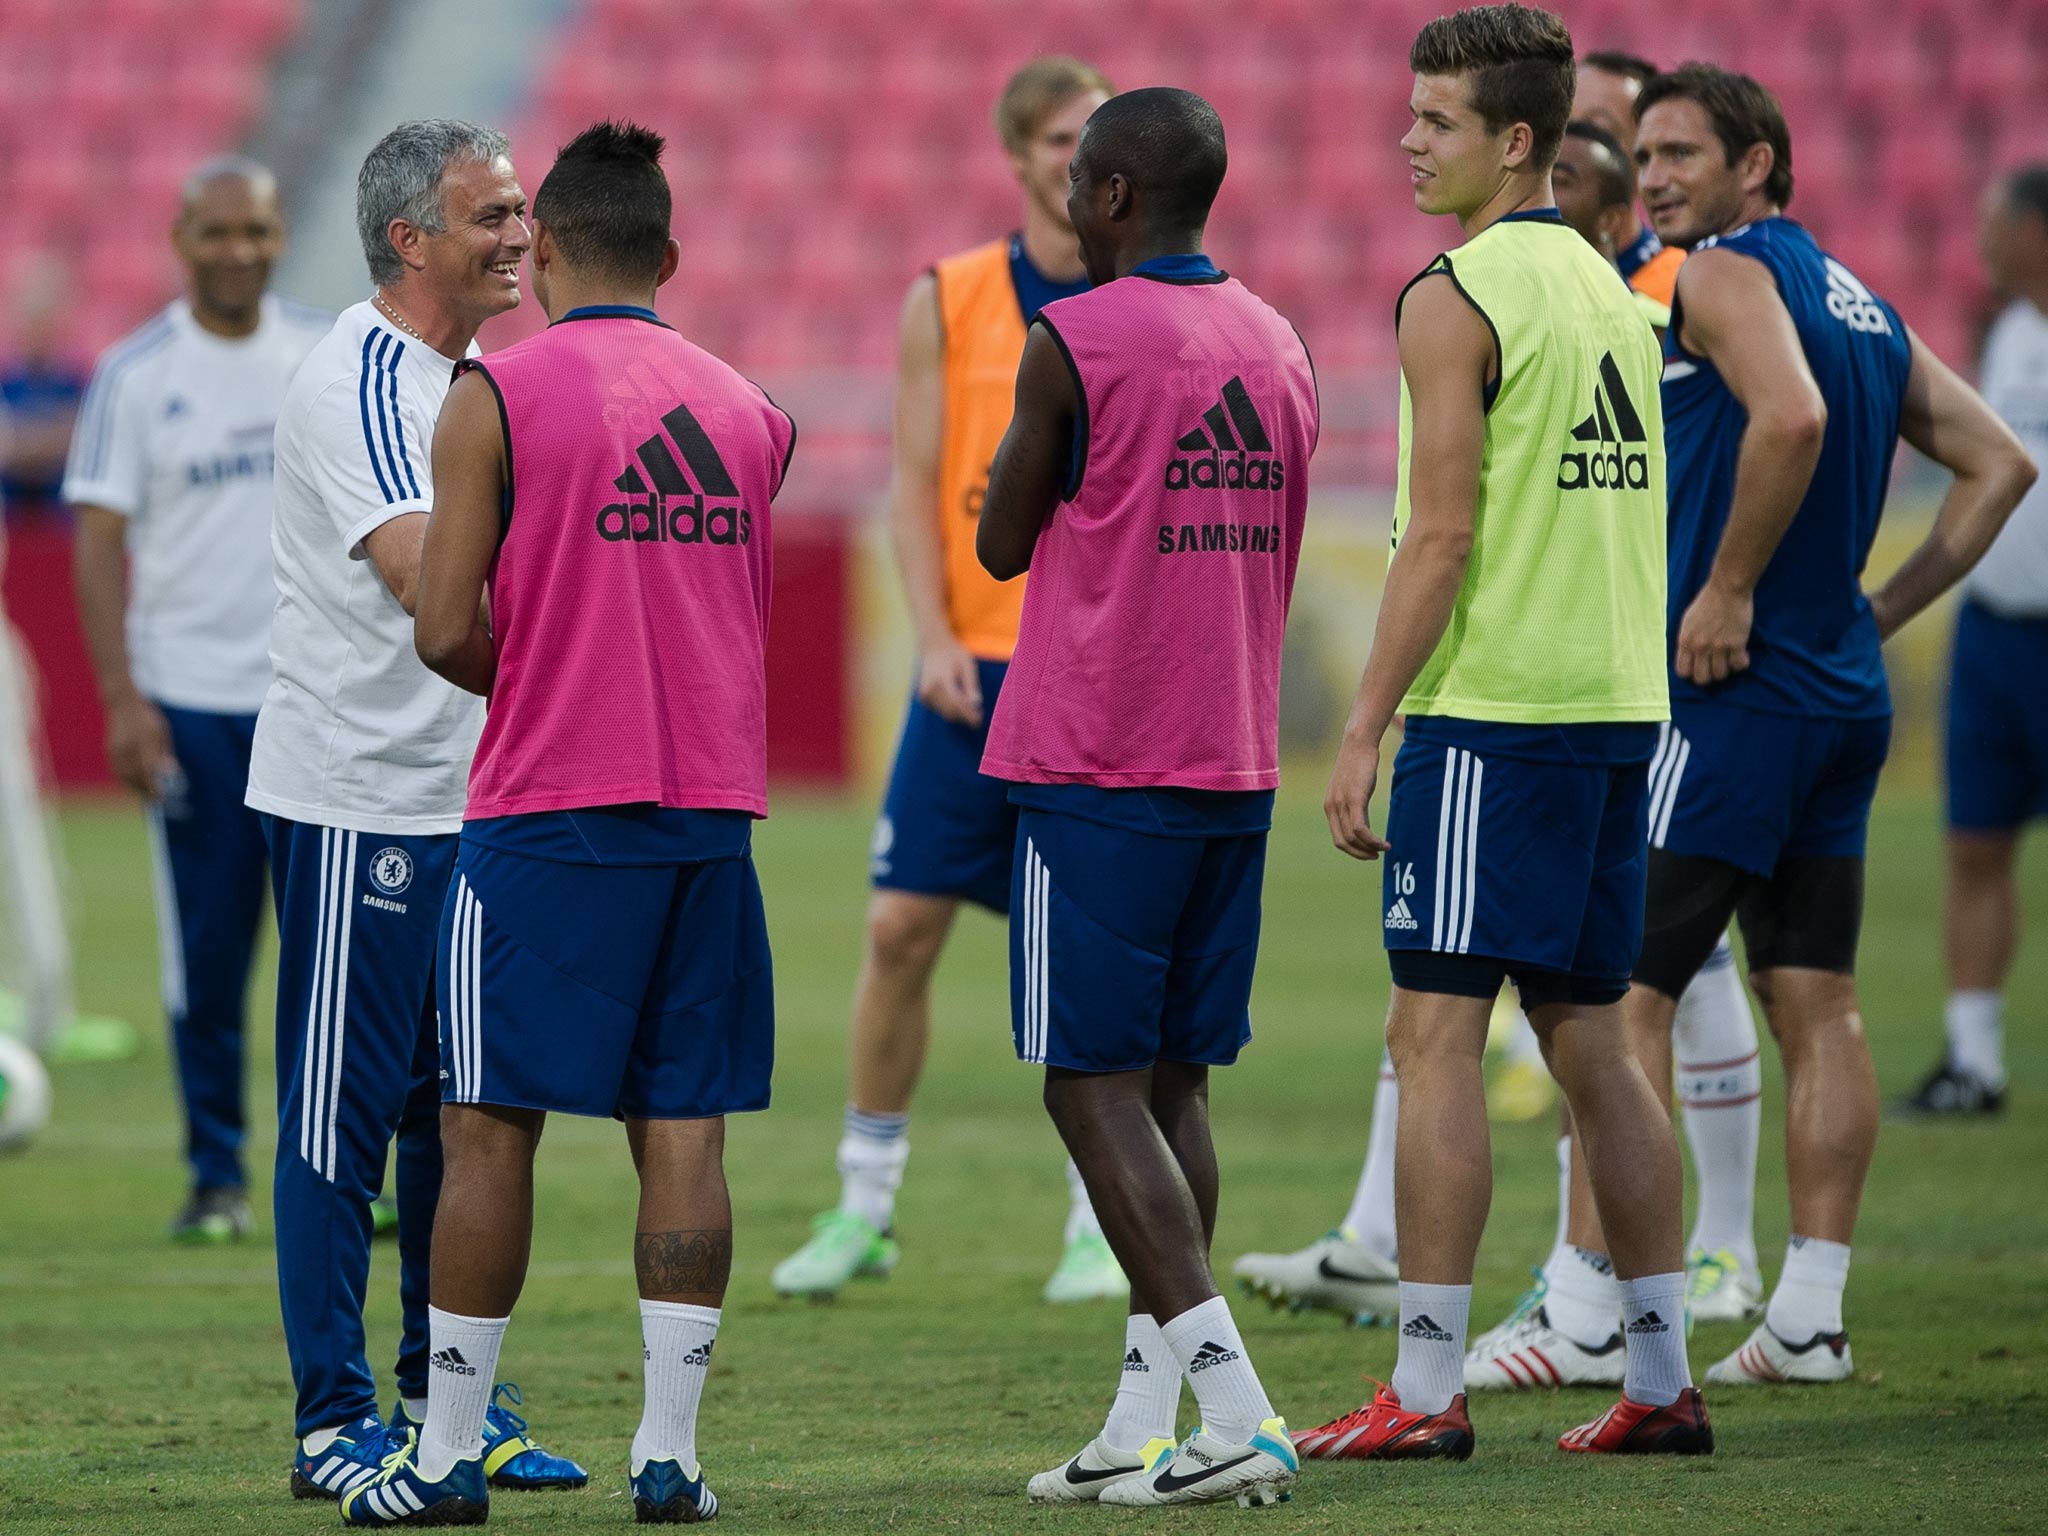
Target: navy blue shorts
x,y
642,991
947,828
1997,740
1537,864
1752,789
1128,948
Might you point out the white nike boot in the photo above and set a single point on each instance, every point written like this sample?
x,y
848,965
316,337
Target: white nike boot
x,y
1333,1272
1099,1464
1205,1470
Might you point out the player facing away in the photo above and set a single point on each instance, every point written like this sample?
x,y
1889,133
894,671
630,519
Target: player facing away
x,y
1154,480
1521,634
604,951
1997,729
357,768
1787,385
947,831
170,481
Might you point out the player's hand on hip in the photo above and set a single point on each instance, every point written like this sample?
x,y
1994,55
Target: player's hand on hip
x,y
139,747
949,684
1348,803
1713,637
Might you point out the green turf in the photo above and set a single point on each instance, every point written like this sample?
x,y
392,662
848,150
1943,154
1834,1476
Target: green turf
x,y
144,1387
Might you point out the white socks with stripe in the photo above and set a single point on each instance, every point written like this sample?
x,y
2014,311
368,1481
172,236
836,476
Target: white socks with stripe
x,y
1720,1089
1080,1209
1370,1221
1430,1369
1976,1036
1148,1392
1657,1369
462,1367
873,1150
1808,1299
676,1342
1581,1297
1205,1343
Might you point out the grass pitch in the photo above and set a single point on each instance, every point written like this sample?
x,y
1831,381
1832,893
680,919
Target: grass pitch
x,y
144,1387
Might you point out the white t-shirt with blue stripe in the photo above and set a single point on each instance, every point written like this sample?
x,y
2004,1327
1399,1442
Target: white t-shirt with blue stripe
x,y
355,732
175,436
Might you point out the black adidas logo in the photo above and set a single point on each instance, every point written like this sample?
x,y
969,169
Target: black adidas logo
x,y
701,1355
450,1359
1649,1322
1136,1362
1234,453
672,511
1211,1353
1613,424
1423,1326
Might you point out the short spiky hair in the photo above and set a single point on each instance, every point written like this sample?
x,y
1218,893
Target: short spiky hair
x,y
606,202
1742,111
1520,62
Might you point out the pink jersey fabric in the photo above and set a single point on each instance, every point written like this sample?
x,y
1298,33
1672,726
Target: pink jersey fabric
x,y
1149,651
629,599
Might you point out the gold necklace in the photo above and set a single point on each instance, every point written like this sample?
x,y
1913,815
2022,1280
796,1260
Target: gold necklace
x,y
397,319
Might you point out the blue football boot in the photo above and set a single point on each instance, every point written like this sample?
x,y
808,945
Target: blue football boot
x,y
351,1457
511,1459
664,1495
398,1495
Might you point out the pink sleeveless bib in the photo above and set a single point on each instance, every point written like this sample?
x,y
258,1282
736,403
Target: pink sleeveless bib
x,y
629,599
1149,652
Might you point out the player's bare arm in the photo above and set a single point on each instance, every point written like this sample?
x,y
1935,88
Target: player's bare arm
x,y
948,682
461,536
1951,423
1735,318
1031,466
138,739
1447,357
394,549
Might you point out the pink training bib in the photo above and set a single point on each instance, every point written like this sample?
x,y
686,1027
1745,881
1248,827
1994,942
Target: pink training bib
x,y
629,599
1150,646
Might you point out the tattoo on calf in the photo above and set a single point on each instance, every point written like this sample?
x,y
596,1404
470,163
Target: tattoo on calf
x,y
671,1263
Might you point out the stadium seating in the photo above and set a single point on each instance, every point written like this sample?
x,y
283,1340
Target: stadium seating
x,y
143,90
821,159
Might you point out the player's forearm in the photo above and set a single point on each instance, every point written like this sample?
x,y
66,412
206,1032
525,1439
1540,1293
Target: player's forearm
x,y
100,579
1970,518
1421,594
914,533
1772,471
470,662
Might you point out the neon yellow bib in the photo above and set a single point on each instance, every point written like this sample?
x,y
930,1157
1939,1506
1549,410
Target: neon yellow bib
x,y
1561,616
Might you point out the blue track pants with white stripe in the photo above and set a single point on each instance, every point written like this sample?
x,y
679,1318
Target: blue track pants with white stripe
x,y
207,850
358,1061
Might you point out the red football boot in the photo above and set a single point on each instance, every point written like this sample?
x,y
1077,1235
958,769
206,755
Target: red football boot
x,y
1383,1430
1630,1429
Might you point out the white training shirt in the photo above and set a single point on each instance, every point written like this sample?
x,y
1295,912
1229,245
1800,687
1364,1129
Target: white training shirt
x,y
175,436
2012,578
355,731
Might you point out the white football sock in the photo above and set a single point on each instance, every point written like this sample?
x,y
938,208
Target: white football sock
x,y
1148,1391
1430,1369
1560,1242
1581,1297
462,1356
320,1439
1657,1369
1720,1091
415,1409
1370,1221
1205,1342
872,1152
1976,1036
1808,1299
676,1343
1080,1211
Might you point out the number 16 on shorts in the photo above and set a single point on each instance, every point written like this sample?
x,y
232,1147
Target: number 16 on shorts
x,y
1399,883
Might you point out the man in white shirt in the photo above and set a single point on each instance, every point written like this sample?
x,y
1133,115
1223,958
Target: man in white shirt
x,y
359,768
170,476
1997,747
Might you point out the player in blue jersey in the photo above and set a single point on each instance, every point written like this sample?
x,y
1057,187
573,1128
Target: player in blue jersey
x,y
1787,386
